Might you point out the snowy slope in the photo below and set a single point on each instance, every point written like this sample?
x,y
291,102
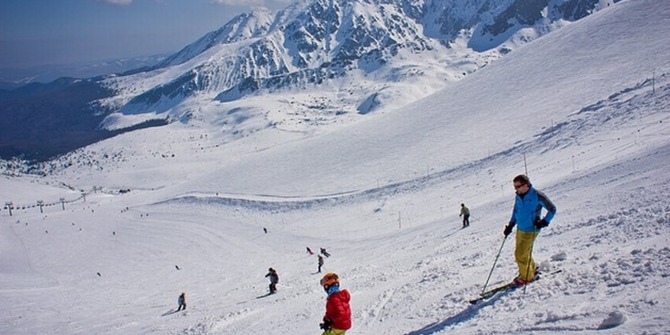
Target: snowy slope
x,y
586,106
536,81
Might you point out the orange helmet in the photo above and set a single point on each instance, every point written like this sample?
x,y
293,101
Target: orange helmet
x,y
329,279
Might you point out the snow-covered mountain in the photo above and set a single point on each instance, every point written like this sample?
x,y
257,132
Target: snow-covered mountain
x,y
329,45
318,62
127,224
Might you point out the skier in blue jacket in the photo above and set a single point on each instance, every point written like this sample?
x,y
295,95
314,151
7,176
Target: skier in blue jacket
x,y
527,217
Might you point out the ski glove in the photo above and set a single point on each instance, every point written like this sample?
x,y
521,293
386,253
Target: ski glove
x,y
508,228
327,324
539,224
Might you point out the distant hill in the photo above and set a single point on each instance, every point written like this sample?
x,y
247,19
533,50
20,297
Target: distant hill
x,y
11,78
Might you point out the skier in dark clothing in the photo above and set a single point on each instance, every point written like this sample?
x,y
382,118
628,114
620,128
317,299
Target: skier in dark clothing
x,y
181,301
274,279
465,213
309,251
324,252
320,263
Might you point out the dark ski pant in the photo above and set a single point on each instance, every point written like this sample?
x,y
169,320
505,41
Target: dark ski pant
x,y
273,288
466,220
180,307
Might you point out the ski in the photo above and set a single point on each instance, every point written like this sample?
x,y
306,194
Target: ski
x,y
492,292
507,287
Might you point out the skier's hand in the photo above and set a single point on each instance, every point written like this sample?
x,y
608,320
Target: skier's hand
x,y
327,324
539,224
508,228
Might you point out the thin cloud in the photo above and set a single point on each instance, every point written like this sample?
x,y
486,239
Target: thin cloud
x,y
252,3
119,2
239,2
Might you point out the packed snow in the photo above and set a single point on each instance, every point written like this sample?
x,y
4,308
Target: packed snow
x,y
131,222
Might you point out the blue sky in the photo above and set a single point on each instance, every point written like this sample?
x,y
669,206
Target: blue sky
x,y
41,32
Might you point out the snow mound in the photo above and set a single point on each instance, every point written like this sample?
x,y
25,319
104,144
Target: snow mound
x,y
615,319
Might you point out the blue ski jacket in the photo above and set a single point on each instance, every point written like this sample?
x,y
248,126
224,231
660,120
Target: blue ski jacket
x,y
528,209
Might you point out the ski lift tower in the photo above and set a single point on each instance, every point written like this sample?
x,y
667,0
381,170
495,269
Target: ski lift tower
x,y
9,205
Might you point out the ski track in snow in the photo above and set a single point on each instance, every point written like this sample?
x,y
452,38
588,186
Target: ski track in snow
x,y
418,284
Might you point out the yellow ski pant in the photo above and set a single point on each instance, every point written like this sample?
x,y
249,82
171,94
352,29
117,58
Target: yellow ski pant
x,y
523,254
334,332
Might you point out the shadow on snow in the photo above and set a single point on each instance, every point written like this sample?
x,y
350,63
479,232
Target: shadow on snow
x,y
461,317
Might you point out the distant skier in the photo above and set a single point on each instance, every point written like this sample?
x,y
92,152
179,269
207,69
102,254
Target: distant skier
x,y
320,262
526,215
181,301
324,252
309,251
265,230
465,213
338,311
274,279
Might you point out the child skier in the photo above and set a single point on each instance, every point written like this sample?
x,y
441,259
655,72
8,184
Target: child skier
x,y
338,312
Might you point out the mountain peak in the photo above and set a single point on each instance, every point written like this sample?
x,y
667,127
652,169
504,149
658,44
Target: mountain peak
x,y
242,27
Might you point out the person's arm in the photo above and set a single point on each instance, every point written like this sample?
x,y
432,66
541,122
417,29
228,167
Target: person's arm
x,y
548,205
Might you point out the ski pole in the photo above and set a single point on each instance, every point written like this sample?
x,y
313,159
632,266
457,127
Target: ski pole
x,y
494,264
